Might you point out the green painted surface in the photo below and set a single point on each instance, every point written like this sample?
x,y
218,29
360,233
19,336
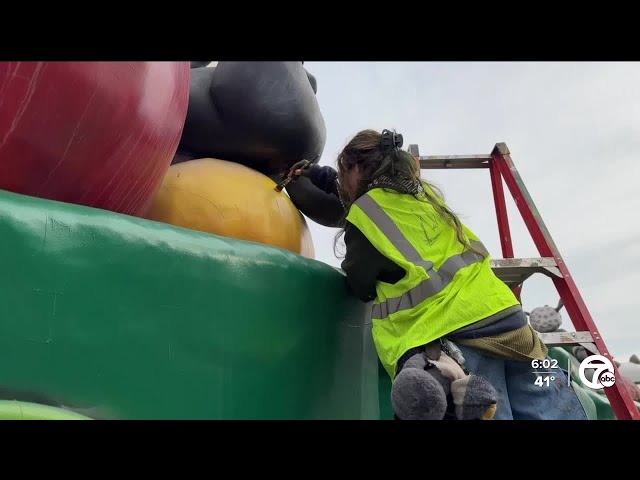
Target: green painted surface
x,y
384,394
12,410
148,321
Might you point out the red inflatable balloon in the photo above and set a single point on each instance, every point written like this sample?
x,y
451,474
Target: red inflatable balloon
x,y
100,134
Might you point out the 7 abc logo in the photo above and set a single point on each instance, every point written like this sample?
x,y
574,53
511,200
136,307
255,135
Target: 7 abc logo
x,y
603,372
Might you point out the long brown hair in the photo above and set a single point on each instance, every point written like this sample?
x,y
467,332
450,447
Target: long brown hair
x,y
365,149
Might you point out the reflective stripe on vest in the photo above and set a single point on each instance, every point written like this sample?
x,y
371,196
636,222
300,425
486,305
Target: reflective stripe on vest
x,y
438,279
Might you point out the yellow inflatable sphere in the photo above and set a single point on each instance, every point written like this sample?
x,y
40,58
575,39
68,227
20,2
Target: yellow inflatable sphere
x,y
230,200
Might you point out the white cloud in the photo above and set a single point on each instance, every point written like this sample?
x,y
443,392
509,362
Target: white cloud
x,y
574,133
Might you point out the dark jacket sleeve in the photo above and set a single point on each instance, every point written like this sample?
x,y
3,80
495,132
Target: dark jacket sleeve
x,y
324,177
364,265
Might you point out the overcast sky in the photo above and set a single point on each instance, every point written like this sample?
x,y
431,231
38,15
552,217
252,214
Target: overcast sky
x,y
573,130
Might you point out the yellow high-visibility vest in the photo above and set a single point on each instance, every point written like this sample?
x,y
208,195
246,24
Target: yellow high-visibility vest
x,y
446,287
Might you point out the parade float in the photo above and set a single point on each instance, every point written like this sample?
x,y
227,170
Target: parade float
x,y
150,269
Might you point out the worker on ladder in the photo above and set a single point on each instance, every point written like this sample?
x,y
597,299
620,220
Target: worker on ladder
x,y
436,301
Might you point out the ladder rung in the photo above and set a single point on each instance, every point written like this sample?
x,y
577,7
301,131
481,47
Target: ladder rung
x,y
514,271
566,338
454,161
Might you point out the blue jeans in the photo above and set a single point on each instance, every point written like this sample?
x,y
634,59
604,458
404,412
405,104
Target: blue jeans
x,y
519,397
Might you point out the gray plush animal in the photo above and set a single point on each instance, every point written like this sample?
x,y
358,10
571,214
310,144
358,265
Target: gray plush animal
x,y
420,391
546,319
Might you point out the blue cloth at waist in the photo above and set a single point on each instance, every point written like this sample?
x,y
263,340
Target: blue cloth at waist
x,y
511,322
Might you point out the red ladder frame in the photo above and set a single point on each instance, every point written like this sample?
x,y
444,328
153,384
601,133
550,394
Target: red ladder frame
x,y
501,167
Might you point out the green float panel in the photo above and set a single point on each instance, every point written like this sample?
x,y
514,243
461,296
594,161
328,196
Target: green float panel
x,y
14,410
147,321
384,394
